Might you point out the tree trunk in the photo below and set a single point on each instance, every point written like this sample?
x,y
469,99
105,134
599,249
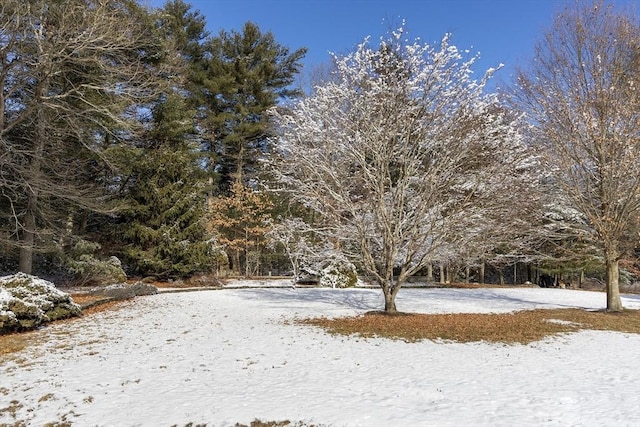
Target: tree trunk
x,y
442,280
481,278
25,263
390,293
614,303
449,274
430,272
581,279
390,302
246,253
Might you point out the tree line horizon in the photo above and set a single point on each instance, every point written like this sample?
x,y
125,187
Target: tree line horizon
x,y
135,143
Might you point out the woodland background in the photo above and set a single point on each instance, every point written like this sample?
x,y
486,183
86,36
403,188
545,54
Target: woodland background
x,y
134,143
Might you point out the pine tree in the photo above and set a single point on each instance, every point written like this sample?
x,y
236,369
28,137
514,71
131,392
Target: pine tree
x,y
162,230
246,73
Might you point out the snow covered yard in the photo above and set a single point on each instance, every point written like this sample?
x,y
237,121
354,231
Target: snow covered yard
x,y
228,356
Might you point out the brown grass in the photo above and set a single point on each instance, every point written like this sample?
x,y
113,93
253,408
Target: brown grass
x,y
519,327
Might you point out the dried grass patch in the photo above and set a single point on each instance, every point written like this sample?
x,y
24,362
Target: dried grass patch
x,y
13,343
510,328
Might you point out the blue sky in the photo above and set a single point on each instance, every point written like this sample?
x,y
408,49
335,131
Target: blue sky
x,y
503,31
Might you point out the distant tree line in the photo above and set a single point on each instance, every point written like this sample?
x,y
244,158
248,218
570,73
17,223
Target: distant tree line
x,y
134,141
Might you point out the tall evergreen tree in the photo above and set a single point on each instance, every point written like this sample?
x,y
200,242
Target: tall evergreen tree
x,y
245,74
162,228
161,231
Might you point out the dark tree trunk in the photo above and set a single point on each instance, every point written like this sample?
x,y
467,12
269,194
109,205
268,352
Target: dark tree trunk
x,y
25,263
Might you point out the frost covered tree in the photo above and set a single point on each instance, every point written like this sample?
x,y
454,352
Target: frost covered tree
x,y
582,97
394,151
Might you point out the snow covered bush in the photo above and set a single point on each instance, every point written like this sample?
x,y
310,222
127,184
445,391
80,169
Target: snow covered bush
x,y
27,301
88,269
339,275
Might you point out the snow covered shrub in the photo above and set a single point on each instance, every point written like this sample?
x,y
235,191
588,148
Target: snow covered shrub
x,y
339,275
27,301
88,269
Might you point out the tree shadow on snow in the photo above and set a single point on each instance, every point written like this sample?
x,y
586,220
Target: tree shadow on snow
x,y
357,299
431,300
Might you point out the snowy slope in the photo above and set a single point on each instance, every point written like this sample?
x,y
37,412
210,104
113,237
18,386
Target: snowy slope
x,y
221,357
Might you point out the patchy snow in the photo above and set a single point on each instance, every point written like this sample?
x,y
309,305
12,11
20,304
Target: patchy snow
x,y
227,356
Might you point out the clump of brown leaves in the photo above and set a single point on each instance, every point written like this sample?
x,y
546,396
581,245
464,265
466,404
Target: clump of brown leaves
x,y
510,328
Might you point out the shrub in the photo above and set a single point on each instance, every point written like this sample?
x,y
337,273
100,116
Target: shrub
x,y
339,275
88,269
27,301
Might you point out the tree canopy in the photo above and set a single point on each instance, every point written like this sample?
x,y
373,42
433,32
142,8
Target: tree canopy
x,y
582,100
395,153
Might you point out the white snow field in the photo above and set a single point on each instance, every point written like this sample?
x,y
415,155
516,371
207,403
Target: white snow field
x,y
232,356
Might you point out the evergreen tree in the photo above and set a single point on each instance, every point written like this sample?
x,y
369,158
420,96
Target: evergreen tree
x,y
246,73
162,230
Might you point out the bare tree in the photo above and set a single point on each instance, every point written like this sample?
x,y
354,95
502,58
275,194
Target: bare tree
x,y
72,75
582,97
394,151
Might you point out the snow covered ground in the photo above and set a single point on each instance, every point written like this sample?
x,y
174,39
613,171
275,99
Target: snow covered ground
x,y
228,356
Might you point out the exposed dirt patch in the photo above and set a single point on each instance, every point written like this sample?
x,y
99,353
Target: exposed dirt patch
x,y
519,327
